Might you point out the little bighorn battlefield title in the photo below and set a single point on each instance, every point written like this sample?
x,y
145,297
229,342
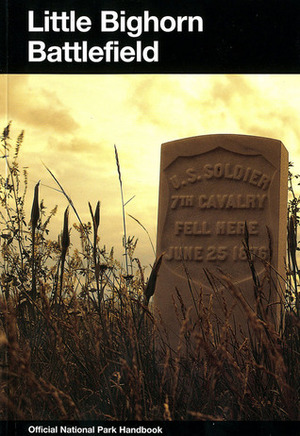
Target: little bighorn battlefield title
x,y
211,188
110,22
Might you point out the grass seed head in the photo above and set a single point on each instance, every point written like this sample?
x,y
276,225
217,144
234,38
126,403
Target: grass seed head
x,y
65,240
97,215
35,210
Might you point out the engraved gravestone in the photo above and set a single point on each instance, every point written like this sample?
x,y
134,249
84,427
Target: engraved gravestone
x,y
210,186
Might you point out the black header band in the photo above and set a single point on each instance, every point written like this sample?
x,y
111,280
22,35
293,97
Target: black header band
x,y
134,36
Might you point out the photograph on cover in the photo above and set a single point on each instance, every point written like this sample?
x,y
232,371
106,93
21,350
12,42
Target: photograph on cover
x,y
81,173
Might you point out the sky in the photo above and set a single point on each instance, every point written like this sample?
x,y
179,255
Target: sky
x,y
72,123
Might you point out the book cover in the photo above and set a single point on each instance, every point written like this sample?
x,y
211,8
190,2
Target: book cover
x,y
89,92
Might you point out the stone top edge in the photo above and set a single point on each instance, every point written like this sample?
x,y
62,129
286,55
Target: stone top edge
x,y
272,149
234,136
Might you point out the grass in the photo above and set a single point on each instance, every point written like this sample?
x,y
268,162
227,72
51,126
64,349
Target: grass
x,y
78,340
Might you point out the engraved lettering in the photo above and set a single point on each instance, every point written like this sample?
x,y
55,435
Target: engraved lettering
x,y
222,170
228,171
235,172
182,201
198,254
192,228
231,228
236,227
264,182
247,174
232,201
186,253
175,182
177,253
218,170
192,175
202,201
222,253
221,228
212,202
250,201
240,228
216,253
178,227
188,228
189,200
239,254
174,203
211,254
222,200
252,227
255,176
240,202
238,172
208,171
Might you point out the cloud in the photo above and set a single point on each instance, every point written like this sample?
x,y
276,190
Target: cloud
x,y
229,90
157,100
78,145
254,111
38,107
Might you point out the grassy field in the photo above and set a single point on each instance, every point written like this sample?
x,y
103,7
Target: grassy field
x,y
78,340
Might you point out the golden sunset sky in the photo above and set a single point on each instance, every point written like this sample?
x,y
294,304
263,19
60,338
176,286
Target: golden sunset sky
x,y
72,122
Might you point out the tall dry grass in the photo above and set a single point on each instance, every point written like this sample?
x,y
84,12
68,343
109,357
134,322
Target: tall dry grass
x,y
78,339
